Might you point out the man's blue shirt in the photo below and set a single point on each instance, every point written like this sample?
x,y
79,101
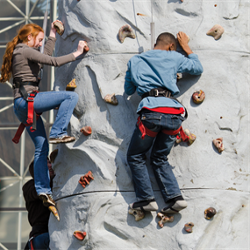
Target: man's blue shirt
x,y
158,69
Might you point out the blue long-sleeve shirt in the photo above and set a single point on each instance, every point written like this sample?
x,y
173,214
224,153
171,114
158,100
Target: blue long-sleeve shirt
x,y
158,68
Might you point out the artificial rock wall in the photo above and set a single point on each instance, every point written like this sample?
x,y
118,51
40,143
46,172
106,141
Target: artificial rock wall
x,y
206,177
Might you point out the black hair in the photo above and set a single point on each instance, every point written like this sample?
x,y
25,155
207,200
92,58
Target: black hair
x,y
165,39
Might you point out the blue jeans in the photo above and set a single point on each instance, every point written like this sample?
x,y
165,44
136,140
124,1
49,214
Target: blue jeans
x,y
40,242
44,101
161,146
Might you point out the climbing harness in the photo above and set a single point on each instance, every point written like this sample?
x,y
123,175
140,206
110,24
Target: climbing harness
x,y
31,243
162,92
146,131
157,92
31,116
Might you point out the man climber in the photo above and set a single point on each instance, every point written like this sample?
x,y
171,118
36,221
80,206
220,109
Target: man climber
x,y
153,75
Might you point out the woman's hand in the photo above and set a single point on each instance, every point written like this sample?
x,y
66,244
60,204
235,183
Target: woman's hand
x,y
53,29
81,48
183,41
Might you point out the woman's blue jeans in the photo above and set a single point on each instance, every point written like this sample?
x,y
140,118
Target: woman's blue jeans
x,y
161,146
44,101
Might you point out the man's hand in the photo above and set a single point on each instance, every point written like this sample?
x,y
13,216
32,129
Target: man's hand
x,y
183,41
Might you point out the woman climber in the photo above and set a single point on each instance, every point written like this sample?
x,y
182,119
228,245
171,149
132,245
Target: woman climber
x,y
23,60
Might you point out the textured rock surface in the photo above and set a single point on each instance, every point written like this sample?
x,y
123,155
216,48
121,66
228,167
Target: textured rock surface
x,y
206,177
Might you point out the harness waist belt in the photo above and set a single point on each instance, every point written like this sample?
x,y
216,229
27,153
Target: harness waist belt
x,y
157,92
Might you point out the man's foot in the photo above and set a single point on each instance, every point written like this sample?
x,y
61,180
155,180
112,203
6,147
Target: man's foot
x,y
175,206
47,199
62,139
146,205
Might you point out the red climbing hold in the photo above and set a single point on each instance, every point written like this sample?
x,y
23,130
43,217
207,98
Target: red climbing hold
x,y
85,180
80,235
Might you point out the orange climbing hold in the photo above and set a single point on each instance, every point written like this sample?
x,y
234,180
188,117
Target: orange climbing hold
x,y
218,143
209,213
85,180
86,130
164,218
54,212
71,85
80,235
189,227
59,27
198,96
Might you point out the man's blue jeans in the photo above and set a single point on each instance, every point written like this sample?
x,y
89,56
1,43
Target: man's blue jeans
x,y
44,101
161,146
41,242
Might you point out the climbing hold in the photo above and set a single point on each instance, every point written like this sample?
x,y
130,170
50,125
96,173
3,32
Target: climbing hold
x,y
54,212
71,85
53,155
139,215
189,227
80,235
86,49
125,31
59,27
215,5
216,31
140,14
178,139
111,99
164,218
86,130
85,180
209,213
191,137
179,76
198,96
218,143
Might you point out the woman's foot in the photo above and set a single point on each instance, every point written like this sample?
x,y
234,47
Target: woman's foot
x,y
62,139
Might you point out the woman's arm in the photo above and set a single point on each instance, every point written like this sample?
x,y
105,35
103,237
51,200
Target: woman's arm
x,y
35,56
50,44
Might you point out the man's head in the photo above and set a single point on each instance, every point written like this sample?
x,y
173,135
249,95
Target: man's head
x,y
166,41
51,171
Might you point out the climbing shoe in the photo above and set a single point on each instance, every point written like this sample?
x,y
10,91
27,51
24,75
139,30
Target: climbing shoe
x,y
47,199
146,205
62,139
174,207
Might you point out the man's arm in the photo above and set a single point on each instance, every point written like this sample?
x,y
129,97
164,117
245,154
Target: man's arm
x,y
129,86
183,41
192,64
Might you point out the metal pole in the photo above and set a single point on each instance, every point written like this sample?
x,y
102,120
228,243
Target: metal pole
x,y
152,27
53,16
22,157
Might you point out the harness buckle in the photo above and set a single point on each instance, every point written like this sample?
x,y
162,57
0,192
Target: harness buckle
x,y
154,92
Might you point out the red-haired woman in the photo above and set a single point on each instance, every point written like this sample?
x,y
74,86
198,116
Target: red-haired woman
x,y
23,60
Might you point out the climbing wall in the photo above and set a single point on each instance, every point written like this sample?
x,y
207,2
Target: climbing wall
x,y
206,177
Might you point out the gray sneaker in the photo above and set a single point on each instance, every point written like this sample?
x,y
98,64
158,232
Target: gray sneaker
x,y
146,205
174,208
62,139
47,199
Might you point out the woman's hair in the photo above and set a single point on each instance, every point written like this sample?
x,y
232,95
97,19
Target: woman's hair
x,y
22,36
